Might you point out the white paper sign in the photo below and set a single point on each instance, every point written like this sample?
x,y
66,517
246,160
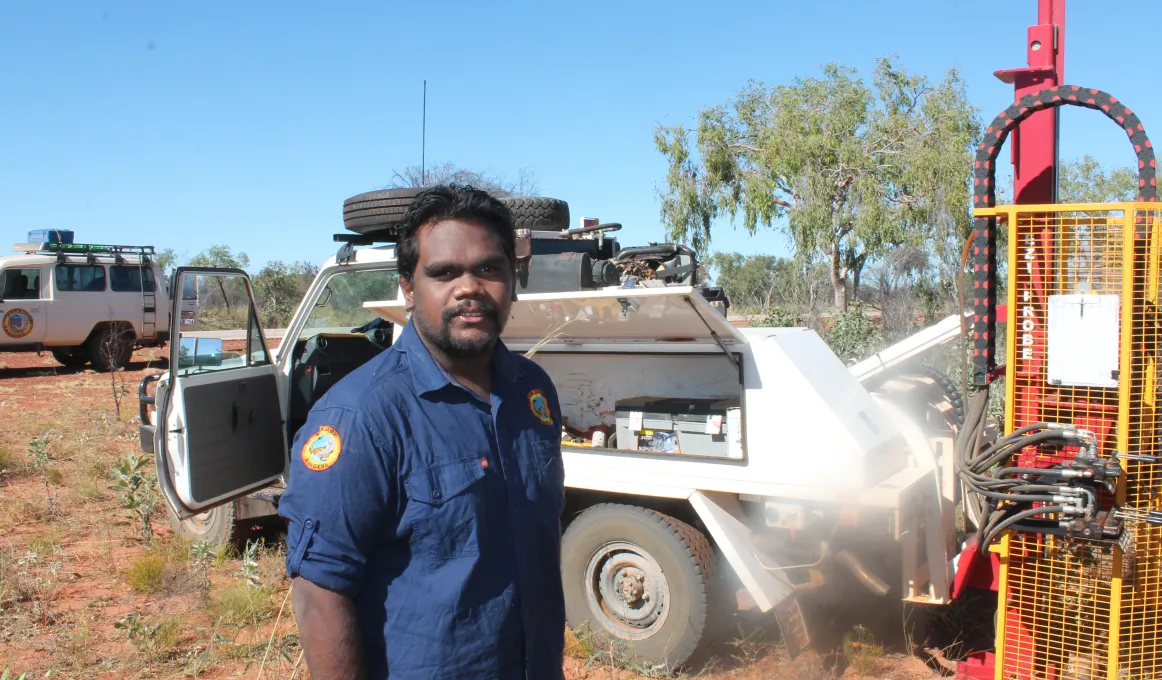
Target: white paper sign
x,y
1083,340
734,433
635,421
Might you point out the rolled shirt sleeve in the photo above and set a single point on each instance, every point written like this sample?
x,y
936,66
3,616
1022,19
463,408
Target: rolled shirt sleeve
x,y
338,499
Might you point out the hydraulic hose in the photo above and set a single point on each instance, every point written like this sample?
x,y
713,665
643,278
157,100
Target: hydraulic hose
x,y
1009,471
969,438
996,454
1017,517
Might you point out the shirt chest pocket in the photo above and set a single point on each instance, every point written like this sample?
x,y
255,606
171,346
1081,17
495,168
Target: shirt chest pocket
x,y
546,459
447,508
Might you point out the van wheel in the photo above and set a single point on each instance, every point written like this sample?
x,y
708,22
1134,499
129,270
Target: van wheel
x,y
73,357
111,347
637,581
214,526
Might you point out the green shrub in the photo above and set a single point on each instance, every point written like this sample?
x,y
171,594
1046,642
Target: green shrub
x,y
777,317
854,335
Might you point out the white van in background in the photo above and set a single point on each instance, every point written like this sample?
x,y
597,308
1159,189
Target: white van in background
x,y
85,303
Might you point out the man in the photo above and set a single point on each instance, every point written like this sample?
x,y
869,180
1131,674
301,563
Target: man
x,y
426,488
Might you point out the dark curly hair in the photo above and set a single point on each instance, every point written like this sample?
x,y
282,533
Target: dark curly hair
x,y
452,202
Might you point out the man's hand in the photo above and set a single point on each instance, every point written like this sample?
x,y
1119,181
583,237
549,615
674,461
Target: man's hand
x,y
329,632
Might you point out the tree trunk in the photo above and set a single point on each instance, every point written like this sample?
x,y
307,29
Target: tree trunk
x,y
856,268
838,280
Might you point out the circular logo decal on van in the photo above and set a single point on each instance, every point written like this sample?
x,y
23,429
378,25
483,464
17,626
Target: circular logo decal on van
x,y
17,323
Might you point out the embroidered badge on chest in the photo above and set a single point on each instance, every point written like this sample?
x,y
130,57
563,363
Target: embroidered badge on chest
x,y
539,405
322,449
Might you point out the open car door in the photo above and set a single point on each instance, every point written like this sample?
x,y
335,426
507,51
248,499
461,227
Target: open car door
x,y
220,432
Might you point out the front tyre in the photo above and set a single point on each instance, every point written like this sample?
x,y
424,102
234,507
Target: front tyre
x,y
72,357
111,347
637,581
214,526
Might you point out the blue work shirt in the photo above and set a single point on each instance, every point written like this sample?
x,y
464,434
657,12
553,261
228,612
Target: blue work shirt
x,y
438,512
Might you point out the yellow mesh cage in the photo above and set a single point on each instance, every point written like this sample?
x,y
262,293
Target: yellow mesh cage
x,y
1073,609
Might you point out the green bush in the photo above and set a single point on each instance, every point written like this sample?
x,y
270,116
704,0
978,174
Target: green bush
x,y
854,335
777,317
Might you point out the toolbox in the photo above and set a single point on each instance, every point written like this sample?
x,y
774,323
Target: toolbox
x,y
692,427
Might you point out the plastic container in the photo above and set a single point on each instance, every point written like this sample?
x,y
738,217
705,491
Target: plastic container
x,y
64,236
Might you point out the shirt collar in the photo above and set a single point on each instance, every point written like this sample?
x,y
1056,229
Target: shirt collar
x,y
428,375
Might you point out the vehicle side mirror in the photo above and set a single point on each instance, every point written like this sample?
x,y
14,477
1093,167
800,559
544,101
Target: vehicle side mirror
x,y
199,352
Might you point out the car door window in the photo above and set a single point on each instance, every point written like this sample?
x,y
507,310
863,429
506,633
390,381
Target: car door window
x,y
228,335
20,284
88,278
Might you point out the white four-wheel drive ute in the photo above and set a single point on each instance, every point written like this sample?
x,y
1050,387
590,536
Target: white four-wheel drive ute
x,y
706,465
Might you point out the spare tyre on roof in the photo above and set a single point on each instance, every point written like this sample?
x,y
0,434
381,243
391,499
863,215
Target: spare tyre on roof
x,y
377,213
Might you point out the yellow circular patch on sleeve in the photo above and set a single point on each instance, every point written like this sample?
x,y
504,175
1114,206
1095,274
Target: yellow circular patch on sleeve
x,y
322,449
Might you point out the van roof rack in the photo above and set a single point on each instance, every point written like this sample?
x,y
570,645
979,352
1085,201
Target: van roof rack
x,y
89,250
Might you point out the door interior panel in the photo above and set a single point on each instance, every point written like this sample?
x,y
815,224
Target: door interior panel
x,y
236,428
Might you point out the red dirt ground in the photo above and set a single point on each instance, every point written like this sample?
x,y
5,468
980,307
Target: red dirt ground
x,y
67,549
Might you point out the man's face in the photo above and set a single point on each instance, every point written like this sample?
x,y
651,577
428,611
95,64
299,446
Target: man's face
x,y
461,292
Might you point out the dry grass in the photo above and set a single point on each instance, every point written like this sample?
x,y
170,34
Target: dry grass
x,y
147,574
8,462
169,636
580,648
163,570
862,652
46,541
238,604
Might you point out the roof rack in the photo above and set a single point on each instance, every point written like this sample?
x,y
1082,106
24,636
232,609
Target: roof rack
x,y
89,250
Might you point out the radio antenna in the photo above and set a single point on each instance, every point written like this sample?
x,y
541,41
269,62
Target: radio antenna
x,y
424,140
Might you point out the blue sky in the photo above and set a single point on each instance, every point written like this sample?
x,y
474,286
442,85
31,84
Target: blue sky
x,y
188,124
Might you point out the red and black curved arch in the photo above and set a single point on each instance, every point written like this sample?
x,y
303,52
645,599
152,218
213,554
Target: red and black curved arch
x,y
984,261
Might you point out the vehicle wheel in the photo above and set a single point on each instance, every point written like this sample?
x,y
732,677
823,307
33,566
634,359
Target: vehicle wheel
x,y
111,347
377,210
73,357
637,580
215,526
543,214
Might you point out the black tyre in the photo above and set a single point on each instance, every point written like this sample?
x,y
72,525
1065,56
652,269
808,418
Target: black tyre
x,y
73,357
377,210
543,214
111,347
215,526
638,581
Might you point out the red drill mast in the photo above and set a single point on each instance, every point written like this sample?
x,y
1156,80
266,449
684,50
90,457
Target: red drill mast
x,y
1034,148
1034,143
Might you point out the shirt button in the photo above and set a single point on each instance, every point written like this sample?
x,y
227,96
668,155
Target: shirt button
x,y
436,494
309,524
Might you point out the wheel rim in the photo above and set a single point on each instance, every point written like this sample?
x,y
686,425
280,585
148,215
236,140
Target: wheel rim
x,y
199,524
627,591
